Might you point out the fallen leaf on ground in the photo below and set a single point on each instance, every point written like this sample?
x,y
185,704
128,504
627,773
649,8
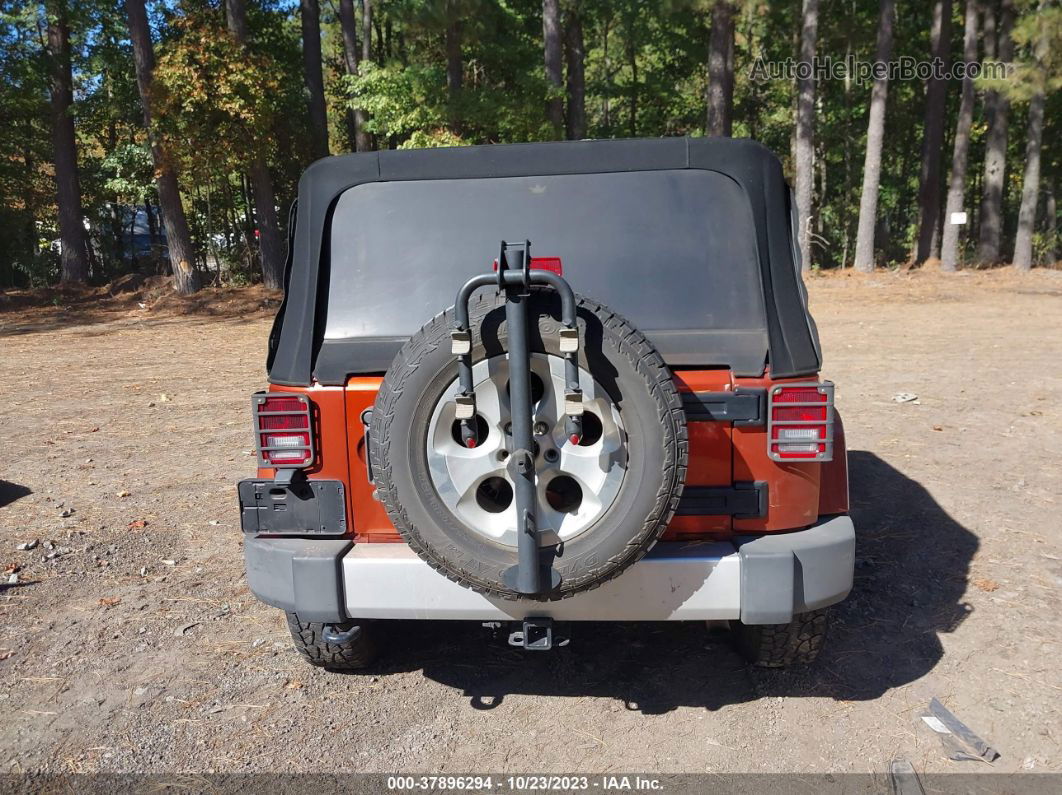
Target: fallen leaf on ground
x,y
5,653
294,684
986,584
110,601
11,568
122,494
138,524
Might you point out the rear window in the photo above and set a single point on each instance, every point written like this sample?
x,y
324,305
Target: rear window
x,y
673,251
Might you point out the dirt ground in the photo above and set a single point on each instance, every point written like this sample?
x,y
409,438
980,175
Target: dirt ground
x,y
130,642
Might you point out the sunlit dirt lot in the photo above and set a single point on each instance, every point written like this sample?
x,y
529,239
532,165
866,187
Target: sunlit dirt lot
x,y
130,642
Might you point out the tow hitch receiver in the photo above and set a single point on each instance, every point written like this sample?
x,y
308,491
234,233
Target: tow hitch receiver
x,y
536,635
532,575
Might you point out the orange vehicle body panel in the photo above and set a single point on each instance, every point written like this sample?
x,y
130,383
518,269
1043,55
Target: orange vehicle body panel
x,y
833,485
719,455
371,522
709,451
792,488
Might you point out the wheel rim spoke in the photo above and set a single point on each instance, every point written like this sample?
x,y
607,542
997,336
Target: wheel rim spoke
x,y
576,483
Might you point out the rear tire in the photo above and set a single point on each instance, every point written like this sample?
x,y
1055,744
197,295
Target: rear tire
x,y
780,645
349,646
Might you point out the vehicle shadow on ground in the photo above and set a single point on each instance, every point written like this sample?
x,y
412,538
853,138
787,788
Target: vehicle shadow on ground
x,y
912,564
10,492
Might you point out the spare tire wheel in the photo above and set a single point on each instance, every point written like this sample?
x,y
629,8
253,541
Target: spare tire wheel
x,y
603,503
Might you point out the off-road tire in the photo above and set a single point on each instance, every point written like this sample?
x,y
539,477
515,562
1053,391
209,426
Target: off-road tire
x,y
357,653
779,645
620,359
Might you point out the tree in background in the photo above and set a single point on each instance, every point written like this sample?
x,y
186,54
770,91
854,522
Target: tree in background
x,y
949,244
804,148
1037,31
551,43
74,251
270,244
455,68
999,47
933,136
575,61
75,266
414,73
721,70
310,16
178,236
353,56
868,204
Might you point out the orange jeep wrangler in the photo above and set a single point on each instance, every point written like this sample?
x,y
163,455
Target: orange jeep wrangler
x,y
547,382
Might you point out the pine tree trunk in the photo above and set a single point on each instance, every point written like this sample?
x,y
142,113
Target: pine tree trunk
x,y
805,132
575,55
310,15
349,28
1030,188
551,37
868,203
1051,225
454,65
178,236
720,70
366,141
933,137
270,245
949,243
997,110
75,267
632,62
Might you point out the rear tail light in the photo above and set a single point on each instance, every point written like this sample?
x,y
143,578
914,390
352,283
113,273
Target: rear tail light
x,y
282,430
800,422
551,264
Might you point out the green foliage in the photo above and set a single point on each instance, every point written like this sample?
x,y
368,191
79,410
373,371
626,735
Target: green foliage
x,y
219,106
132,172
400,100
1038,36
212,98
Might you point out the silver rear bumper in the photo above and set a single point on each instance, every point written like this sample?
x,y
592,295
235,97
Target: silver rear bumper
x,y
763,580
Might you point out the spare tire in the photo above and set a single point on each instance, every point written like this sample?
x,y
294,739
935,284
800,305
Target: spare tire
x,y
602,503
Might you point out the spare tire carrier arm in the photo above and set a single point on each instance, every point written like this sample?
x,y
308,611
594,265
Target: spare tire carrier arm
x,y
515,276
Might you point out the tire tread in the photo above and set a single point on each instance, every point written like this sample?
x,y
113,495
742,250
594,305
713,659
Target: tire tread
x,y
672,416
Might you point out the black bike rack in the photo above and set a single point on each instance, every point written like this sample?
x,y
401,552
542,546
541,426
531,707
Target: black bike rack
x,y
515,276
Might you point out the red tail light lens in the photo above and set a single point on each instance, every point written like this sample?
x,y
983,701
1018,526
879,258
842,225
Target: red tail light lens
x,y
283,433
551,264
800,422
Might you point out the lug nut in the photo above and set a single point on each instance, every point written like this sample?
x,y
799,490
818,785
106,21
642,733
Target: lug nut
x,y
541,429
551,455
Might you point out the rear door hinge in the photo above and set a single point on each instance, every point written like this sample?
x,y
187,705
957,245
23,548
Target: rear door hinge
x,y
741,500
744,406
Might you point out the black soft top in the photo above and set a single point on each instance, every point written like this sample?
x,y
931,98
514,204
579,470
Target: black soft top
x,y
693,240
